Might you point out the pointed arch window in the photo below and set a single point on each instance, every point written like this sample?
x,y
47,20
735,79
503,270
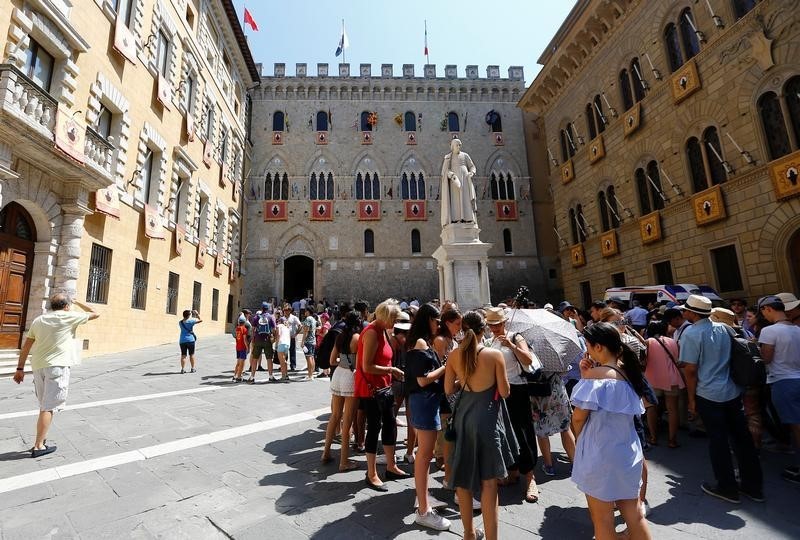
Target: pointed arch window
x,y
648,184
573,225
568,140
369,242
276,187
409,121
591,127
625,89
600,117
772,121
322,121
605,222
694,155
691,45
320,186
453,122
639,85
416,242
501,186
611,198
674,54
508,248
278,121
714,156
368,187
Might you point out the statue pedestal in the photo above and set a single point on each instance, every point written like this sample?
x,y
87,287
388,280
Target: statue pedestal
x,y
463,266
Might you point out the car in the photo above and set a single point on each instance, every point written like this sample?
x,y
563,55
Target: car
x,y
658,294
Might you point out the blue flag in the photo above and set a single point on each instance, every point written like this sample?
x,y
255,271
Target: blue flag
x,y
343,43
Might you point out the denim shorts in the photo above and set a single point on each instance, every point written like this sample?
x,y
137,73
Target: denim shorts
x,y
786,398
283,347
424,411
309,348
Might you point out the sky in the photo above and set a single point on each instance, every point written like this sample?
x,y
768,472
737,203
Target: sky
x,y
495,32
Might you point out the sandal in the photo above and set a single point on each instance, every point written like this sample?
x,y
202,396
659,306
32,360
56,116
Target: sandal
x,y
349,466
532,494
673,444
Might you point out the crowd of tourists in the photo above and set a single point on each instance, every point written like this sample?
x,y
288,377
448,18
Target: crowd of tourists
x,y
479,405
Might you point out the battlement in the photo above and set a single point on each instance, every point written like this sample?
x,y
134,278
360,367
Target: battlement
x,y
515,73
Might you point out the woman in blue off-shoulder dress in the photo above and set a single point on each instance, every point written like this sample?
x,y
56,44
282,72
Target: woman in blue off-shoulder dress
x,y
608,453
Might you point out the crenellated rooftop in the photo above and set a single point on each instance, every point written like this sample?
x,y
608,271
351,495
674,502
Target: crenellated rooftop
x,y
515,73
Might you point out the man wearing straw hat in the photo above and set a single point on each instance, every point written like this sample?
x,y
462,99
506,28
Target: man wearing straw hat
x,y
705,348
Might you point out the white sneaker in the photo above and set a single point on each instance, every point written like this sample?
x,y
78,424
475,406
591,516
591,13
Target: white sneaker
x,y
432,520
432,501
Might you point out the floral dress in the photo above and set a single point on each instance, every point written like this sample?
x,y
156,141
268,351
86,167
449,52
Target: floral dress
x,y
552,414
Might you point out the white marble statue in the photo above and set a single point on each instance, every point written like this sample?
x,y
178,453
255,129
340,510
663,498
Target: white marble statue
x,y
458,193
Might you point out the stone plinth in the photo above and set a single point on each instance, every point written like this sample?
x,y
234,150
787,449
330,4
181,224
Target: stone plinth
x,y
463,263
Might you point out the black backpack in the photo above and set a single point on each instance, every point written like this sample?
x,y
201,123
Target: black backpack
x,y
323,353
747,367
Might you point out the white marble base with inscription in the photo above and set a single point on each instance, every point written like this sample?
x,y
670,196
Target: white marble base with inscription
x,y
463,264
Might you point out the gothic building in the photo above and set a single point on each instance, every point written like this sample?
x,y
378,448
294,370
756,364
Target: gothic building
x,y
342,200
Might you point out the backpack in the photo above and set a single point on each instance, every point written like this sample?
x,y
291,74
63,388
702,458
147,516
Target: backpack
x,y
747,367
264,324
323,353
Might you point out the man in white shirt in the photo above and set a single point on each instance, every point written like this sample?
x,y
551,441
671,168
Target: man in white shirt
x,y
780,343
51,343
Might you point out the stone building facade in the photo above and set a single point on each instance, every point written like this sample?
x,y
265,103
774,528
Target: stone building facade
x,y
343,197
673,139
122,147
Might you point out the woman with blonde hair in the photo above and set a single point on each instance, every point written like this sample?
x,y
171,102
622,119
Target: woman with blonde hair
x,y
373,385
485,446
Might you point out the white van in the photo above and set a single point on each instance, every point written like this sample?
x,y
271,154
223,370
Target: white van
x,y
657,294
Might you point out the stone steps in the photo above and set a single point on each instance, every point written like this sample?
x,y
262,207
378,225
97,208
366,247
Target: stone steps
x,y
8,362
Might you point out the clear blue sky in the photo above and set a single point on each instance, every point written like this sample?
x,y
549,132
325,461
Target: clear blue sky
x,y
498,32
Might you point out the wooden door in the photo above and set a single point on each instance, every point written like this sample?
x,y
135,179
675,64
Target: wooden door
x,y
17,237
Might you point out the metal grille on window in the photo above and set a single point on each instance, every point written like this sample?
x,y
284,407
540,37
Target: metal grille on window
x,y
139,294
196,293
214,304
99,275
172,293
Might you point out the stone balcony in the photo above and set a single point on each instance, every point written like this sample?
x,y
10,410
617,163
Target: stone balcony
x,y
99,152
25,100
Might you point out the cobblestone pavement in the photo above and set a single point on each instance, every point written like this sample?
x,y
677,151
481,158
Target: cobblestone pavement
x,y
196,456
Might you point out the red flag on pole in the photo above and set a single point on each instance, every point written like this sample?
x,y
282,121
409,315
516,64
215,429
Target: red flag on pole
x,y
426,38
248,19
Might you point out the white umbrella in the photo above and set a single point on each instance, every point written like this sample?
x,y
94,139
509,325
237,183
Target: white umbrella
x,y
554,340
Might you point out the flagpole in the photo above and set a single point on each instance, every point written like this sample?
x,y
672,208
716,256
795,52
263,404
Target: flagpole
x,y
344,54
427,56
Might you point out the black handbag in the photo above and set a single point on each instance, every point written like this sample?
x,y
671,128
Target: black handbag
x,y
450,434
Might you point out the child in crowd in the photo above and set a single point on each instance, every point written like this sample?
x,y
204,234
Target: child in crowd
x,y
242,346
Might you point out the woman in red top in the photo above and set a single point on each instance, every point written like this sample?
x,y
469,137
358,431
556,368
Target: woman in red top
x,y
374,371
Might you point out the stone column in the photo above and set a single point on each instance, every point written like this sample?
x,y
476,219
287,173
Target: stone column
x,y
75,207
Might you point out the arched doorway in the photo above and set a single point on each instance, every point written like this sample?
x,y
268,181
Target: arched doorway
x,y
17,238
794,258
298,277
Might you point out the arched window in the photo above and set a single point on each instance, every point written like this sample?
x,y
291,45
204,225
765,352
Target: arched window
x,y
611,198
410,121
414,188
365,125
565,155
320,187
276,188
600,117
638,80
743,7
571,140
605,222
376,187
772,121
625,89
494,188
511,193
573,226
590,125
368,187
691,45
581,223
452,122
322,121
359,187
654,186
416,243
329,193
674,53
312,187
714,156
497,125
501,186
507,247
278,121
642,187
369,242
792,93
694,155
404,187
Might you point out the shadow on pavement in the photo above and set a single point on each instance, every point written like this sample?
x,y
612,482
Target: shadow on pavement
x,y
555,520
15,456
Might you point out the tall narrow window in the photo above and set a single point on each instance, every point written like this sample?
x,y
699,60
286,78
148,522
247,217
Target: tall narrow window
x,y
209,127
715,156
605,222
611,199
312,187
99,275
147,176
726,268
141,270
413,191
173,285
369,242
511,193
674,53
654,182
691,45
329,187
497,123
124,9
638,80
581,222
590,124
189,86
278,121
452,122
572,138
322,121
163,53
409,121
197,295
600,117
695,157
214,304
573,225
404,187
772,121
565,152
643,191
494,187
103,125
39,65
507,247
359,186
625,89
416,243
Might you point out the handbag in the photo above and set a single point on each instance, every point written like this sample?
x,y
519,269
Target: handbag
x,y
536,382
